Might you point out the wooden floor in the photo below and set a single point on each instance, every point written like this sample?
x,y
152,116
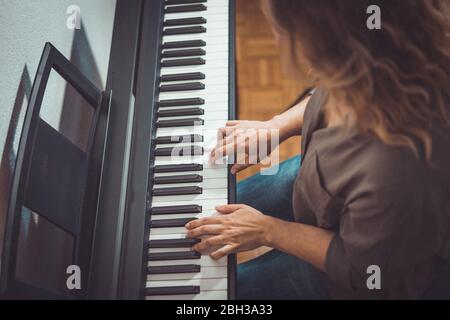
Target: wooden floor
x,y
263,91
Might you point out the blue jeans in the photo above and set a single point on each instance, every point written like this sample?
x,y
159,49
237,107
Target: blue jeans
x,y
276,275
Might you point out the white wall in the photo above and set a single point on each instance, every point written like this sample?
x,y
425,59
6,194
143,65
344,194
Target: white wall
x,y
25,26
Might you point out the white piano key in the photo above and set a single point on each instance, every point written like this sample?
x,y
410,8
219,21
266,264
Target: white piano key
x,y
159,250
209,136
207,194
216,90
208,204
209,125
208,213
174,230
211,25
220,95
211,39
204,261
209,57
205,284
208,81
203,295
215,48
188,160
212,173
215,69
206,184
208,14
179,148
221,115
209,106
209,140
209,7
215,3
181,235
200,129
205,273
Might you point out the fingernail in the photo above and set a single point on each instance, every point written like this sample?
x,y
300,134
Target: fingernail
x,y
187,225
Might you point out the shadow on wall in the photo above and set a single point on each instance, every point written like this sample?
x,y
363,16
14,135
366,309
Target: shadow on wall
x,y
76,114
8,159
75,119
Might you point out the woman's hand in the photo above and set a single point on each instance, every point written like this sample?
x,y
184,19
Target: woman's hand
x,y
245,139
238,228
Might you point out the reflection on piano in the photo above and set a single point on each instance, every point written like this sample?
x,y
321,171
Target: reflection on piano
x,y
121,204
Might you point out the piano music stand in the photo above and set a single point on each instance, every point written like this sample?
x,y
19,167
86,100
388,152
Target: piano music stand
x,y
55,180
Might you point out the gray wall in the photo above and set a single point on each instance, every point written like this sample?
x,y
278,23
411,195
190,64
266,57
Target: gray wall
x,y
25,25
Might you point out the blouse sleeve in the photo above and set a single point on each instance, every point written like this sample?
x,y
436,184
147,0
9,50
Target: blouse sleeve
x,y
381,227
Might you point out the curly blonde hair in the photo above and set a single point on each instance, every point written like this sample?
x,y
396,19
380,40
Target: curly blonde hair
x,y
396,80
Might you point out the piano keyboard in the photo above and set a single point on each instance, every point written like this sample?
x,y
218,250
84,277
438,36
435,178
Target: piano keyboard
x,y
193,105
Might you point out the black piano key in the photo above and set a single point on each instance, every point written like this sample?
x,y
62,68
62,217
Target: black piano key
x,y
181,112
181,102
182,87
184,30
183,53
182,268
186,178
170,223
172,243
169,2
180,151
182,62
183,77
178,168
186,8
177,255
179,139
184,22
180,123
183,44
178,191
190,208
165,291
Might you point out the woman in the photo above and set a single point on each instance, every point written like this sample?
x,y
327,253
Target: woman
x,y
372,197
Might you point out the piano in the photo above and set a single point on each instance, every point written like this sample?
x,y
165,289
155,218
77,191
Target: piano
x,y
108,222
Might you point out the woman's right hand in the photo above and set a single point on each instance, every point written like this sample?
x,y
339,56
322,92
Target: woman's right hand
x,y
249,141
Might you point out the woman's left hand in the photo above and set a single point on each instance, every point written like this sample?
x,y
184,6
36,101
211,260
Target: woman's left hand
x,y
238,228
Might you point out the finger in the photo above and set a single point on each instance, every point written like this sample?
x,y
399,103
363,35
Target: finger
x,y
203,221
222,151
237,136
232,123
238,167
229,208
224,132
210,229
207,243
222,252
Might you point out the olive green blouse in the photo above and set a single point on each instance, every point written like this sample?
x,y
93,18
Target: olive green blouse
x,y
388,208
